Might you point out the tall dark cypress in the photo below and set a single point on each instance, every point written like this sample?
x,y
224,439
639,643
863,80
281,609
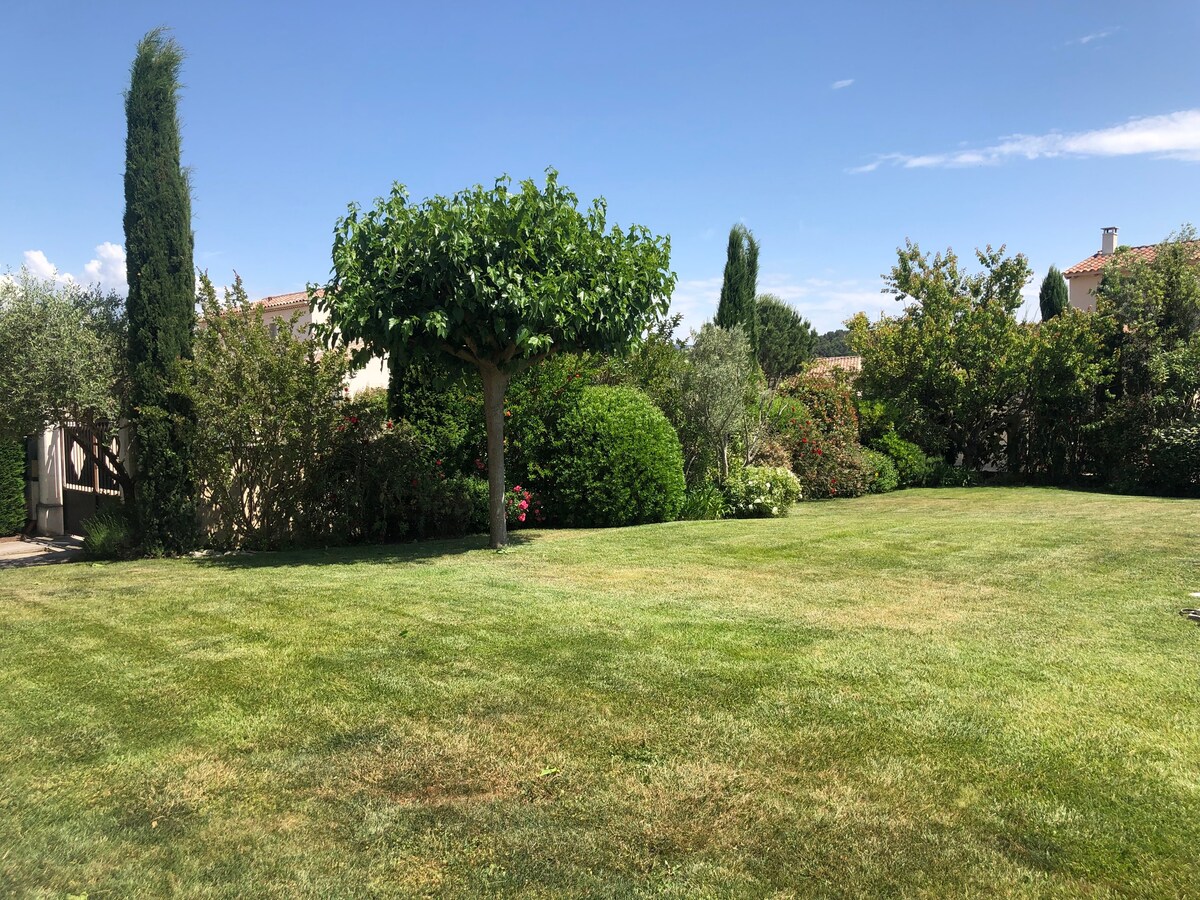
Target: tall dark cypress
x,y
1053,297
740,285
161,275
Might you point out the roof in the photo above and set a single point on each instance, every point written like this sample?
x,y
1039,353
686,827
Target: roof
x,y
283,301
825,365
1095,263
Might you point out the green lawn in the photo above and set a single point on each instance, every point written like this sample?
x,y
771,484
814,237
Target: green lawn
x,y
954,692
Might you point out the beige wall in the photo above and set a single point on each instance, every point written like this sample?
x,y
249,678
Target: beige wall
x,y
1080,288
373,375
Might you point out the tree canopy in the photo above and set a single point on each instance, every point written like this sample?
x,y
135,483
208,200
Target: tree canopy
x,y
714,388
954,364
1053,296
740,285
162,295
495,279
786,340
833,343
61,352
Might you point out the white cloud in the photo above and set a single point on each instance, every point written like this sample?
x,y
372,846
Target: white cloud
x,y
844,83
1094,36
40,267
107,269
1171,136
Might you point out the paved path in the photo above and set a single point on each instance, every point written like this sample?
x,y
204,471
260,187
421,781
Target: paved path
x,y
39,552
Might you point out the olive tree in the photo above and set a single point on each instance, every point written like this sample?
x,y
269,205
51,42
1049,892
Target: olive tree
x,y
494,279
61,359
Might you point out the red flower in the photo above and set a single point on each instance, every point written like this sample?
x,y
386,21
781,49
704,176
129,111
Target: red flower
x,y
388,426
479,464
438,463
818,451
354,420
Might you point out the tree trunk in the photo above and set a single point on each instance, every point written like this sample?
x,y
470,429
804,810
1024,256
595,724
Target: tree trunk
x,y
495,383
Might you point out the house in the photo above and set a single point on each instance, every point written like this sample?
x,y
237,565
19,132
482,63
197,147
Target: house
x,y
1084,277
830,365
279,310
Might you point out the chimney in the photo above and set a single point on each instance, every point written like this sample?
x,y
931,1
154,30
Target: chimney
x,y
1108,240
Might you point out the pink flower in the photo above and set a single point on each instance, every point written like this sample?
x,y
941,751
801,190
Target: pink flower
x,y
524,504
517,489
521,517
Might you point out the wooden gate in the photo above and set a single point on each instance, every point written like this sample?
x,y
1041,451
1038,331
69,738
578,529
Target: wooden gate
x,y
89,475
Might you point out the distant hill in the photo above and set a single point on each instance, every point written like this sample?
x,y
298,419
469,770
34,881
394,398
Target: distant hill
x,y
834,343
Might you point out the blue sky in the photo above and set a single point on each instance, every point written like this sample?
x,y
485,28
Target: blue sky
x,y
834,131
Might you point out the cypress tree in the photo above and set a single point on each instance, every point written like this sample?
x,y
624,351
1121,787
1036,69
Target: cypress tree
x,y
740,285
161,306
1053,295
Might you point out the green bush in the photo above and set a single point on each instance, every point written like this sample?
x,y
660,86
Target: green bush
x,y
705,501
913,467
942,474
1173,461
447,507
616,460
12,488
882,476
758,492
108,534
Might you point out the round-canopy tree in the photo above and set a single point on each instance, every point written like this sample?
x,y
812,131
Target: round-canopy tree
x,y
496,279
786,340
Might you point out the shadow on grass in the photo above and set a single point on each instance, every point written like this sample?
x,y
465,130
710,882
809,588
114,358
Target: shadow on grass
x,y
383,554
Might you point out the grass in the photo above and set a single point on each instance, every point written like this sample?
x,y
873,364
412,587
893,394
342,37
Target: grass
x,y
955,692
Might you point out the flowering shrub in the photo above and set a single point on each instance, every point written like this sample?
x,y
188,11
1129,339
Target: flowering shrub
x,y
761,492
820,431
522,507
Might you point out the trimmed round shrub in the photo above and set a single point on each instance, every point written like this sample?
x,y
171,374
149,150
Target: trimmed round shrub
x,y
12,487
761,492
881,472
616,460
912,465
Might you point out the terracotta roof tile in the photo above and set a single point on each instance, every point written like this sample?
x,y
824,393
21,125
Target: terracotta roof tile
x,y
1095,263
282,301
825,365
